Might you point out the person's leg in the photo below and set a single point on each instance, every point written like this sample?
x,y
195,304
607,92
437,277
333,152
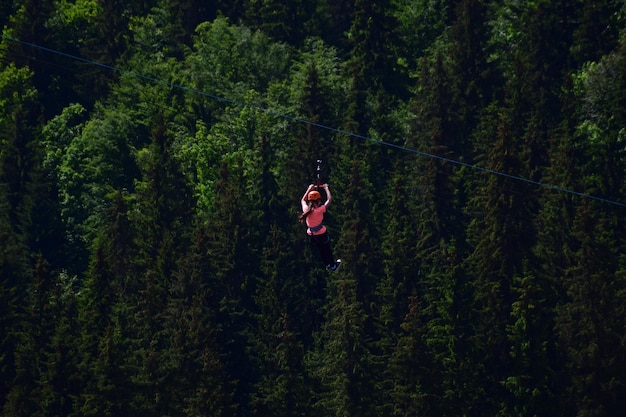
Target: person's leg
x,y
323,244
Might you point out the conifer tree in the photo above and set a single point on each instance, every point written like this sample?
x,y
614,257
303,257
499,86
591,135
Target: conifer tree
x,y
46,383
502,238
372,42
276,19
409,367
281,299
400,279
341,363
28,27
438,196
200,381
375,87
282,388
162,210
108,390
33,335
61,385
552,251
358,159
13,267
588,330
470,80
42,353
401,265
595,29
358,235
235,267
419,24
20,165
533,378
105,300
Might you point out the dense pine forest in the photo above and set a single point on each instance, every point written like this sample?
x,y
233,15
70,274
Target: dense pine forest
x,y
153,155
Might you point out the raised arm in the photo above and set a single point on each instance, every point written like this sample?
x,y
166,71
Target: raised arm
x,y
329,197
303,200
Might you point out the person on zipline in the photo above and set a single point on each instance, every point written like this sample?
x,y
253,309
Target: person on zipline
x,y
313,215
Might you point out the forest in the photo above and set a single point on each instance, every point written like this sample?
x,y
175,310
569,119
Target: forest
x,y
153,155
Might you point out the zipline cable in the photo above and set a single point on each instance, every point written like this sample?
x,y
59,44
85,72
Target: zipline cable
x,y
314,124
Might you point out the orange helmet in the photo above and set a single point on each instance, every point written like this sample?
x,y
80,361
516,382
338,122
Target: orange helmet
x,y
314,195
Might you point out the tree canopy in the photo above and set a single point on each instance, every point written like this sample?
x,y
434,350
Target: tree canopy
x,y
152,159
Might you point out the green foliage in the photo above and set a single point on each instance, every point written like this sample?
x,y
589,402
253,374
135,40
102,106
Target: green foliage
x,y
341,364
589,329
78,15
151,263
230,60
91,160
420,23
21,191
531,382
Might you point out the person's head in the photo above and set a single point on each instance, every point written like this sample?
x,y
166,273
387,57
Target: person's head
x,y
314,197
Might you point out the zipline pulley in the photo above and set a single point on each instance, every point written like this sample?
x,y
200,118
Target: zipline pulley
x,y
319,174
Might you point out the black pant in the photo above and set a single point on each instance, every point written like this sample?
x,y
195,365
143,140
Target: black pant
x,y
323,245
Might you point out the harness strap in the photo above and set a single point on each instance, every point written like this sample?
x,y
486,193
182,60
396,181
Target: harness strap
x,y
316,228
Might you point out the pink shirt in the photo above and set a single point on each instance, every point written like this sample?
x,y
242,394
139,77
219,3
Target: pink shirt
x,y
315,218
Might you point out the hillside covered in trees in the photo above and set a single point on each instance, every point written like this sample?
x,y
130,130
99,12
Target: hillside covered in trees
x,y
153,155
